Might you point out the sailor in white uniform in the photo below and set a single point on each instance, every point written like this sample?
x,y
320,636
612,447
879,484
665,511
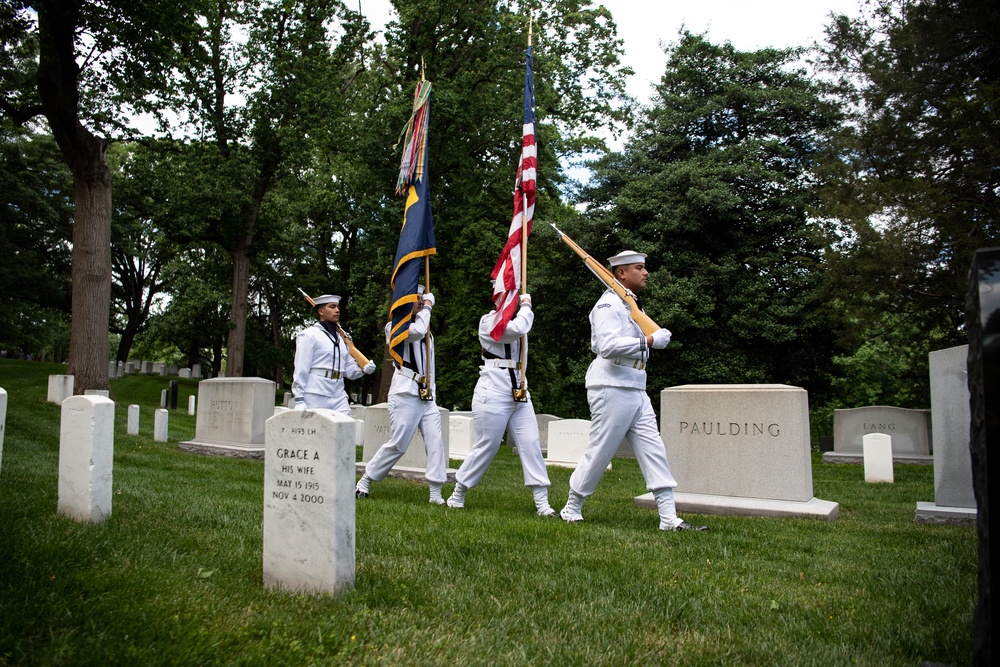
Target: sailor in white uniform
x,y
323,360
620,409
412,406
495,410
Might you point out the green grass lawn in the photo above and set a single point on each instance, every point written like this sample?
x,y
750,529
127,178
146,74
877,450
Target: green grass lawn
x,y
174,576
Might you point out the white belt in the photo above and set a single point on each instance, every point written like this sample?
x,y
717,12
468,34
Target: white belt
x,y
637,364
327,373
502,363
412,374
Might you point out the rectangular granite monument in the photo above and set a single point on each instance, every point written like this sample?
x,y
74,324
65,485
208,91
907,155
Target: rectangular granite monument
x,y
740,449
231,417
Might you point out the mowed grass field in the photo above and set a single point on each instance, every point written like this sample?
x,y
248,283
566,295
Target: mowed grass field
x,y
174,576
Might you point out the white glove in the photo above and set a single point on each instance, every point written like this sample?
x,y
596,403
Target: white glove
x,y
300,405
428,300
660,339
525,299
369,368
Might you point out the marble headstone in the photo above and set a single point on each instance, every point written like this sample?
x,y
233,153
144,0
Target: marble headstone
x,y
954,498
413,463
543,430
86,456
309,512
161,425
60,388
358,415
877,451
568,440
133,420
461,436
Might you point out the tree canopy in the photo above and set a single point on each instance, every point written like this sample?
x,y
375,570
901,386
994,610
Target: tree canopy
x,y
808,216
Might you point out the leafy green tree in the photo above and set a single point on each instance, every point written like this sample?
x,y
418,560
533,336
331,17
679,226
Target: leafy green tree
x,y
914,187
262,81
90,57
473,52
35,232
142,220
194,325
718,188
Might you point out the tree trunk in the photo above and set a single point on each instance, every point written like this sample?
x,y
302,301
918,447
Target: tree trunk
x,y
236,343
275,319
58,87
88,343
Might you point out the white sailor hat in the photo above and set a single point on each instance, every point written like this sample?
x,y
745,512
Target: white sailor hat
x,y
627,257
325,299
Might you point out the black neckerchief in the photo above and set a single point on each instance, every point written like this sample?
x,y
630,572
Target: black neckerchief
x,y
330,329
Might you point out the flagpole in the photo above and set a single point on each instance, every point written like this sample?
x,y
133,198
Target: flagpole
x,y
427,336
524,265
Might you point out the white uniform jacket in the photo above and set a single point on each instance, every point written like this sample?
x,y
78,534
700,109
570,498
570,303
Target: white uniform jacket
x,y
321,365
619,344
496,372
415,361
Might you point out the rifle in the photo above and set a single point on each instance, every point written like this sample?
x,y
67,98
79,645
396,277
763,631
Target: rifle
x,y
645,322
355,352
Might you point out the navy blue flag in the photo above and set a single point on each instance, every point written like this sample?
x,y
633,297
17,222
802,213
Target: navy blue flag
x,y
416,239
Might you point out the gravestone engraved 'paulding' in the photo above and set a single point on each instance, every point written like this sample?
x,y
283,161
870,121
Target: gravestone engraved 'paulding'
x,y
309,527
982,321
740,449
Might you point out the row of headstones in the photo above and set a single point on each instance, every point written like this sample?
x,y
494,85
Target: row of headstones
x,y
86,453
939,436
122,368
61,387
741,449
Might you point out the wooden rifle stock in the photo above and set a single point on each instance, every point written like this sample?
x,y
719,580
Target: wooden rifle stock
x,y
355,352
645,322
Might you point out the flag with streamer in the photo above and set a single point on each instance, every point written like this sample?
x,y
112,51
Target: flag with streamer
x,y
416,239
507,272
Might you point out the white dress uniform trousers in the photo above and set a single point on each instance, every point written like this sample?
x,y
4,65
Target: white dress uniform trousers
x,y
407,412
494,409
321,364
619,407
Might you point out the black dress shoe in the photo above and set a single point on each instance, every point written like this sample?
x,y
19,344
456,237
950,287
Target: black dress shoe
x,y
684,525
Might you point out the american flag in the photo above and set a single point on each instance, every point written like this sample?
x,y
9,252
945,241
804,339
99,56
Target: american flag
x,y
507,271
